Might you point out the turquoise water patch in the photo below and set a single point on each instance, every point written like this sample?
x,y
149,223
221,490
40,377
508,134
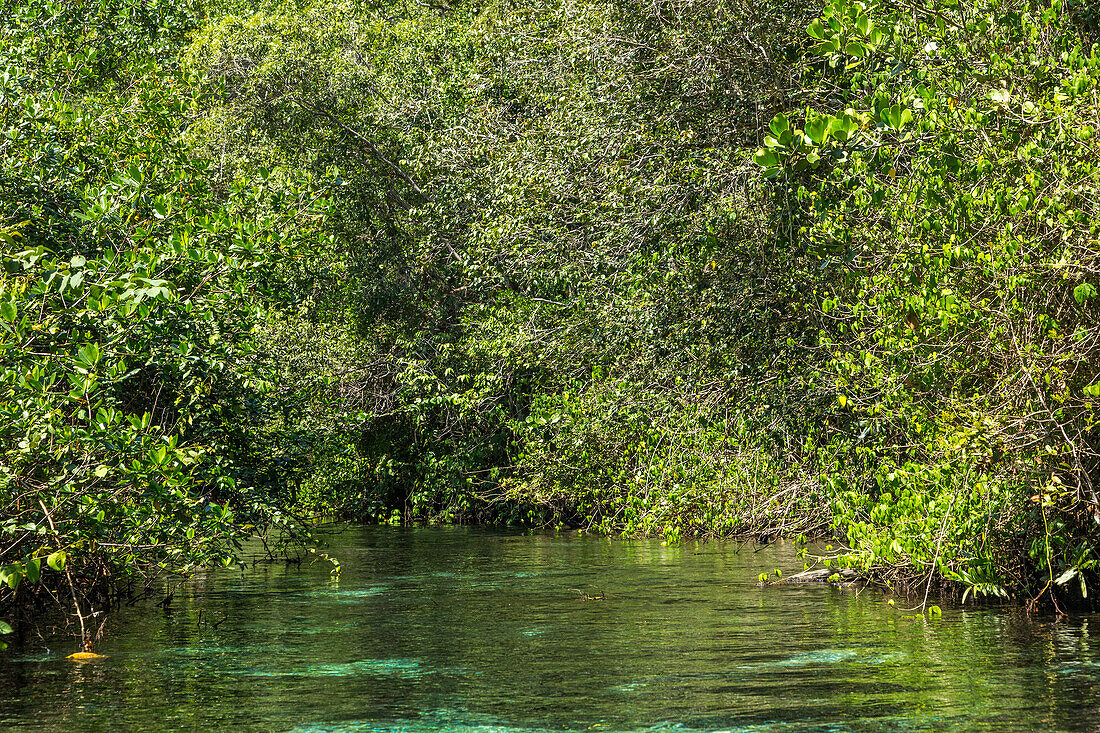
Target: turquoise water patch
x,y
630,686
1088,669
399,668
822,656
888,658
348,596
247,651
403,668
535,630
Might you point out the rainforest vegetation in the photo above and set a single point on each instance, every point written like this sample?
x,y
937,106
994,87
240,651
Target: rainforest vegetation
x,y
673,267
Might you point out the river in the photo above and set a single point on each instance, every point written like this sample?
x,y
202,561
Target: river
x,y
475,631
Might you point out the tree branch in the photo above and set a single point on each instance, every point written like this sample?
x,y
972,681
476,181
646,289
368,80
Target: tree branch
x,y
371,148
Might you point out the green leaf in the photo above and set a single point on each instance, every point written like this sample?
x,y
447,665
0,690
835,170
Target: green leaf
x,y
1066,576
56,560
11,575
765,158
857,49
5,628
8,311
1083,292
843,128
1093,390
897,116
816,30
88,355
817,129
779,125
34,569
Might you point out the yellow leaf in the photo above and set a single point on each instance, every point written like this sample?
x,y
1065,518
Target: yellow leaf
x,y
85,656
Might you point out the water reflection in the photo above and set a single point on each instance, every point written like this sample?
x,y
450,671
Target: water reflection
x,y
465,630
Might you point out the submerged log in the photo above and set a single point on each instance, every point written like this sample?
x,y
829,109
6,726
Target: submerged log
x,y
820,575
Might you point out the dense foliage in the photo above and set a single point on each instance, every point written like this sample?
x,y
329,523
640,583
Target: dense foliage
x,y
944,169
129,296
681,267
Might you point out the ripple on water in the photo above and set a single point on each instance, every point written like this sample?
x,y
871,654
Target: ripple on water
x,y
535,630
333,595
821,656
435,726
396,668
1082,668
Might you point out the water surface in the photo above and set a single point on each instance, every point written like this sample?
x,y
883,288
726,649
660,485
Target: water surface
x,y
432,630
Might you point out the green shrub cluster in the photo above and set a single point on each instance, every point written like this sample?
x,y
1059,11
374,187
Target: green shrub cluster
x,y
131,390
561,274
943,169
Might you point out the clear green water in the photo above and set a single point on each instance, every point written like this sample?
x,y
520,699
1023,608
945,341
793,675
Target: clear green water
x,y
465,630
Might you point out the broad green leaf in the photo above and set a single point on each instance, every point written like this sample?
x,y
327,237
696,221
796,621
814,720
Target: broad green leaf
x,y
11,575
89,354
896,116
779,125
33,568
817,129
765,158
816,29
1083,292
56,560
1066,576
